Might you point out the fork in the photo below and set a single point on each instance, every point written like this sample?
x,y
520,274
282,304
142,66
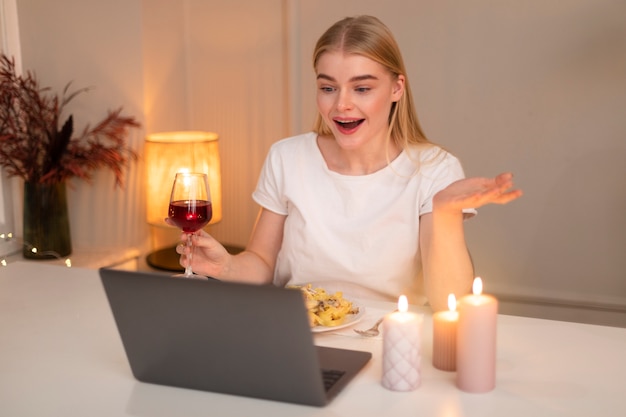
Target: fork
x,y
372,331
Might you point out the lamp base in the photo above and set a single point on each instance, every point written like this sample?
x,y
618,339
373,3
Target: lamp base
x,y
168,260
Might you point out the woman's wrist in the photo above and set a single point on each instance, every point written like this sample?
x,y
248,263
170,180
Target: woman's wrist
x,y
441,209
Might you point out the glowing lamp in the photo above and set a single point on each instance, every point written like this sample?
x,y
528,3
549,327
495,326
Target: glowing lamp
x,y
187,151
167,153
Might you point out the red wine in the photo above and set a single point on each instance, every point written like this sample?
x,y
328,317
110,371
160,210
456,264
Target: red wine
x,y
190,215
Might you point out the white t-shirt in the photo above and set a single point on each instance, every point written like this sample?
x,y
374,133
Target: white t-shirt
x,y
358,233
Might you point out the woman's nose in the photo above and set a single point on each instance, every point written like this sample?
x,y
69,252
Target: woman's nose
x,y
344,102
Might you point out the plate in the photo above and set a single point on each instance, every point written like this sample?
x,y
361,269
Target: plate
x,y
349,321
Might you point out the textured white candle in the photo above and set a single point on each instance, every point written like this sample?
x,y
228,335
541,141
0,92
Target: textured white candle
x,y
401,349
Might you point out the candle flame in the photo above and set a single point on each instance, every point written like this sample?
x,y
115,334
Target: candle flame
x,y
451,302
477,287
403,304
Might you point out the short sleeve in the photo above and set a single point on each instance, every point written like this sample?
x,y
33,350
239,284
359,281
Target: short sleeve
x,y
269,192
446,170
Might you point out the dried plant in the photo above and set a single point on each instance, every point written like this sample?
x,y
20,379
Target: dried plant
x,y
36,147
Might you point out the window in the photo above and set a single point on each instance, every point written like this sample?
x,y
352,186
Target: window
x,y
9,44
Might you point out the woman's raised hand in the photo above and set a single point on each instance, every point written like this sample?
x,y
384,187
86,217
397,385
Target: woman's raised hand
x,y
476,192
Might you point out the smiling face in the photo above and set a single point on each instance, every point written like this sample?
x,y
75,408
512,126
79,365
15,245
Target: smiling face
x,y
354,98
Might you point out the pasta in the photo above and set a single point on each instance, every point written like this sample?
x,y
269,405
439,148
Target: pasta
x,y
326,309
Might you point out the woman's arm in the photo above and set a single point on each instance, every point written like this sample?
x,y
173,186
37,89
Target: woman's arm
x,y
255,264
445,259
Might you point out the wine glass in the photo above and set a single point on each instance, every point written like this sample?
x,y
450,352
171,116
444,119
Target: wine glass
x,y
190,207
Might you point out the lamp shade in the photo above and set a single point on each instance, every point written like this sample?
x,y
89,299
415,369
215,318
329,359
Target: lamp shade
x,y
167,153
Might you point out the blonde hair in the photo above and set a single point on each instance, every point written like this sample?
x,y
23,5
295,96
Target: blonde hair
x,y
369,37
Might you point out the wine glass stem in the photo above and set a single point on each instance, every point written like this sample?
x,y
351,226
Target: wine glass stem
x,y
188,271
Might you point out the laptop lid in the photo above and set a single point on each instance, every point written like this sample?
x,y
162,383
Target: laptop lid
x,y
230,338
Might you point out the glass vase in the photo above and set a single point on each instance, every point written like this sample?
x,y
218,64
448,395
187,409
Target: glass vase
x,y
46,221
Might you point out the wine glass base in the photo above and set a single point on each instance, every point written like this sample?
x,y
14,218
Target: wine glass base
x,y
195,277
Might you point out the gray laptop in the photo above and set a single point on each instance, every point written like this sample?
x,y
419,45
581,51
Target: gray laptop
x,y
230,338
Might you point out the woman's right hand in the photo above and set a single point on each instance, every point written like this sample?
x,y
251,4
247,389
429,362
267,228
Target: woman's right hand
x,y
209,258
254,265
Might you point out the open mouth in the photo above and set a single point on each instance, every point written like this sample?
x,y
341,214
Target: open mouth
x,y
348,124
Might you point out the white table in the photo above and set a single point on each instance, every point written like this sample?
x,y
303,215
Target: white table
x,y
86,257
60,355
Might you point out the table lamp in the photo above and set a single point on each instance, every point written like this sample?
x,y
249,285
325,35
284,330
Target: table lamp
x,y
167,153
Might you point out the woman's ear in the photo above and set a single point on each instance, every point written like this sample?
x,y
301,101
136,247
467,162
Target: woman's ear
x,y
398,87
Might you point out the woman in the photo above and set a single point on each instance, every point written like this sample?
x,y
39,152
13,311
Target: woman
x,y
365,200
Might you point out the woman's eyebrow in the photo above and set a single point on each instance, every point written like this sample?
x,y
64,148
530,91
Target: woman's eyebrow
x,y
353,79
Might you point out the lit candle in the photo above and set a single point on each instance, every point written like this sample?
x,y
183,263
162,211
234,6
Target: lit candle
x,y
444,336
476,341
401,348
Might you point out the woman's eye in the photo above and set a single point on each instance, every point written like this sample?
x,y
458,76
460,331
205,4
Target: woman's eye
x,y
362,89
327,89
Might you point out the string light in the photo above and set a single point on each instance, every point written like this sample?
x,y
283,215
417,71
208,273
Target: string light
x,y
6,237
9,236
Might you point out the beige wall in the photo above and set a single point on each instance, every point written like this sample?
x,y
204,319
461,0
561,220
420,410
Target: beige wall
x,y
537,87
92,44
219,66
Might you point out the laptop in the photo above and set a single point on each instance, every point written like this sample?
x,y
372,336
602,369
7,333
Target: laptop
x,y
231,338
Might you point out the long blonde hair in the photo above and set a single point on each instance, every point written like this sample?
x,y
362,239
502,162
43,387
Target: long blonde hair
x,y
369,37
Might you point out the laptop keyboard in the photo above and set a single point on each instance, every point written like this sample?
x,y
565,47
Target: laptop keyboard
x,y
330,377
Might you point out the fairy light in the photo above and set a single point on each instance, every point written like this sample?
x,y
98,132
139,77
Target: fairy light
x,y
6,237
9,236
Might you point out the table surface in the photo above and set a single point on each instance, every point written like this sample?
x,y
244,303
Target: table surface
x,y
61,355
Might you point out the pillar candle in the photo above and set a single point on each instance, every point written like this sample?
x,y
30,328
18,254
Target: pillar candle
x,y
444,336
401,348
476,341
